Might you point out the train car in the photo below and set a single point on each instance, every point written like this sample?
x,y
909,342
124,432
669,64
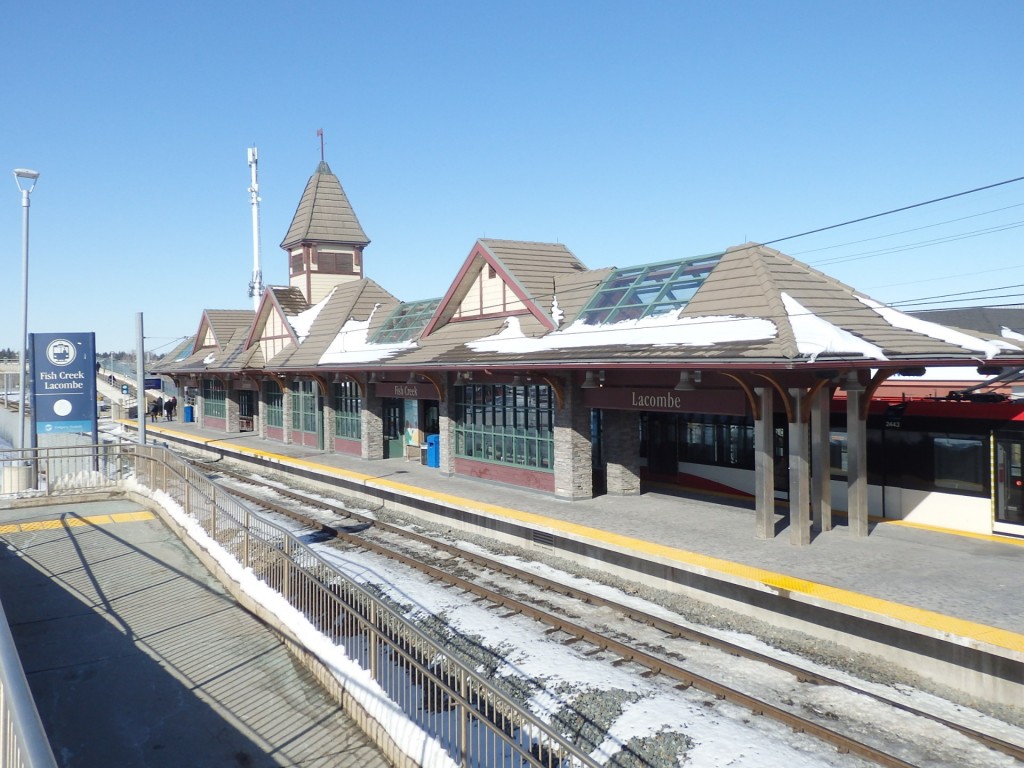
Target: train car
x,y
950,462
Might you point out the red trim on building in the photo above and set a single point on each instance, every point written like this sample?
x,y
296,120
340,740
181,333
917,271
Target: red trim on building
x,y
524,478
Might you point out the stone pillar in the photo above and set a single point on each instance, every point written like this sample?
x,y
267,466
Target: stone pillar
x,y
621,445
372,425
573,469
446,416
327,414
857,462
821,461
260,419
799,473
764,467
230,408
286,413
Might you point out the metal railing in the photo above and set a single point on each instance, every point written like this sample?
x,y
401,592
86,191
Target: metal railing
x,y
477,724
23,742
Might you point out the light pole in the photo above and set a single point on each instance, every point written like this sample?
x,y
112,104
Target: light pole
x,y
26,181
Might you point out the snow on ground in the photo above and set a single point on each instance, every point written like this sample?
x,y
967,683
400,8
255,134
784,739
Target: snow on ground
x,y
719,734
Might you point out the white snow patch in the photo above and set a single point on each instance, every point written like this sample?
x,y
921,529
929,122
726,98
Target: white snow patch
x,y
303,322
816,336
967,373
351,344
902,320
1006,333
661,331
409,737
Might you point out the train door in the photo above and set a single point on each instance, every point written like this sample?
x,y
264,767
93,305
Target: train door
x,y
393,416
1008,490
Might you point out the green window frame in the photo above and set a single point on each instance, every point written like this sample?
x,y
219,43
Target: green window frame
x,y
273,403
505,424
406,322
348,410
304,410
214,398
648,291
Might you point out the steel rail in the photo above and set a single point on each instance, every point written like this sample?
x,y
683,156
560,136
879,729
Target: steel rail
x,y
670,628
686,678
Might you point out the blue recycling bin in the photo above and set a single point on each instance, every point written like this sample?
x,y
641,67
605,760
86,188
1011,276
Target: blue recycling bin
x,y
433,450
188,413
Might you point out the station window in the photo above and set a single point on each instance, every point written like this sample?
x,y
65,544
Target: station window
x,y
304,406
505,424
348,410
273,401
214,398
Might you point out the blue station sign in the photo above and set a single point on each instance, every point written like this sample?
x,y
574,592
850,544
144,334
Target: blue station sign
x,y
63,382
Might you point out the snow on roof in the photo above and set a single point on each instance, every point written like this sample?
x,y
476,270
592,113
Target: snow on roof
x,y
1006,333
815,336
959,373
303,322
661,331
899,319
351,345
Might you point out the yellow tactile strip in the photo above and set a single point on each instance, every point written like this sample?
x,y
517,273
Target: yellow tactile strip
x,y
73,522
777,581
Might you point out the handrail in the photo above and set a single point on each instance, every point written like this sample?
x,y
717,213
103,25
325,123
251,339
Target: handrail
x,y
23,739
445,697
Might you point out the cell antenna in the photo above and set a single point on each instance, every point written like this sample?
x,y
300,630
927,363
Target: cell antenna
x,y
256,286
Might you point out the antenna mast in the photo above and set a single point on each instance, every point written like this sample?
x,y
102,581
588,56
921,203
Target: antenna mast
x,y
256,286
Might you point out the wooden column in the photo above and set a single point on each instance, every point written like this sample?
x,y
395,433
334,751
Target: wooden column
x,y
821,461
857,461
764,467
799,473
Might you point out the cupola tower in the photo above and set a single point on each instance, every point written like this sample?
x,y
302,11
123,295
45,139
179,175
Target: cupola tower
x,y
325,241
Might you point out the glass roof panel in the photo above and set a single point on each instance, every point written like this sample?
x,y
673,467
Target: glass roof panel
x,y
651,290
406,322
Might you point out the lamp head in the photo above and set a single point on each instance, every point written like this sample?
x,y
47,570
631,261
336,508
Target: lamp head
x,y
28,175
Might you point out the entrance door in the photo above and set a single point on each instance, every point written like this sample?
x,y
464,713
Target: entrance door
x,y
1009,482
393,417
598,466
246,410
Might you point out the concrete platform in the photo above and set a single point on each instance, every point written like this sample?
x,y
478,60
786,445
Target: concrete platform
x,y
947,604
136,656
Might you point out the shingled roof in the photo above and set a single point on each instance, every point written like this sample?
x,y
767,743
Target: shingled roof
x,y
324,214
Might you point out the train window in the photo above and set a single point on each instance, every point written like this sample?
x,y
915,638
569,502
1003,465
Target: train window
x,y
959,463
837,450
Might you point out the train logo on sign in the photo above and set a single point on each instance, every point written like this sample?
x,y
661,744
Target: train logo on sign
x,y
61,352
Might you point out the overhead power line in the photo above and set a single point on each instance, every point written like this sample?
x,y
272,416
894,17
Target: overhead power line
x,y
894,210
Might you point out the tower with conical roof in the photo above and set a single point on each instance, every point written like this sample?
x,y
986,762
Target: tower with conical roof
x,y
325,241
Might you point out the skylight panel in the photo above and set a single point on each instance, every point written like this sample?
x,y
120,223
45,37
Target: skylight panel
x,y
648,291
406,322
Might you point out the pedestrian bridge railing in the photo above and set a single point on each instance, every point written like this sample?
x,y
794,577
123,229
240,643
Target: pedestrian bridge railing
x,y
446,697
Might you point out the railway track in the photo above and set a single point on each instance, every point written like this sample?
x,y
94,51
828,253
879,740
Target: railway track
x,y
407,547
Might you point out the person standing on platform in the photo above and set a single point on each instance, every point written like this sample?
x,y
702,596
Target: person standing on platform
x,y
168,407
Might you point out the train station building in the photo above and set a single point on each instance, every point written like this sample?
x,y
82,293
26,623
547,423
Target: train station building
x,y
742,371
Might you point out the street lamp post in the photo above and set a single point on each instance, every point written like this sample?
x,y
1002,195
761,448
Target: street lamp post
x,y
26,181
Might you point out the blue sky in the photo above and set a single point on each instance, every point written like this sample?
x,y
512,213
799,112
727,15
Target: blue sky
x,y
631,132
